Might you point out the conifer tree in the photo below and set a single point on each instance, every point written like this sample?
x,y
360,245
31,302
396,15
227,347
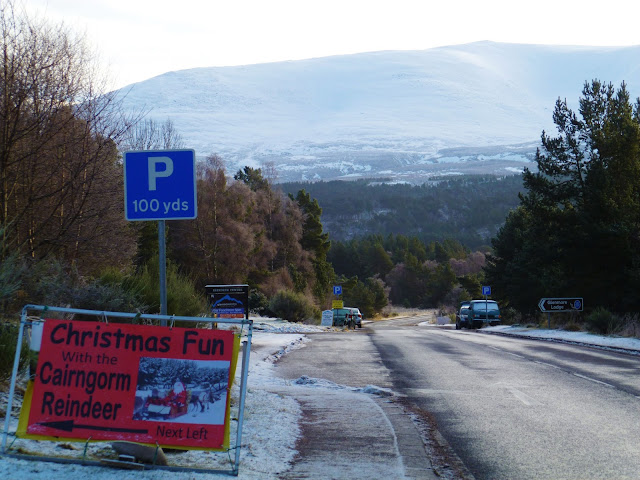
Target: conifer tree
x,y
577,230
316,241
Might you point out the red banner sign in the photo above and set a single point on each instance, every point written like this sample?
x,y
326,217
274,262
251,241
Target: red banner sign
x,y
135,383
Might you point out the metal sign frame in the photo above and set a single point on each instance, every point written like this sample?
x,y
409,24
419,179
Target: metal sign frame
x,y
39,310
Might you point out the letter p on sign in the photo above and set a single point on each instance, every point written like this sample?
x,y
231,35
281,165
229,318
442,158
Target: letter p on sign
x,y
155,173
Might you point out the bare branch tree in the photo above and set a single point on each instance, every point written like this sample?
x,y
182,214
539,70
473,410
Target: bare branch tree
x,y
60,177
150,135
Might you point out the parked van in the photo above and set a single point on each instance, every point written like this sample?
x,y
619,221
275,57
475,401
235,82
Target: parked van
x,y
483,312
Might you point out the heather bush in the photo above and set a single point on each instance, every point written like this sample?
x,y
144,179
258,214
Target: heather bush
x,y
292,306
603,321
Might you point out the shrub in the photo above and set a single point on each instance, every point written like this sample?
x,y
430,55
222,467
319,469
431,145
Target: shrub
x,y
107,297
49,282
291,306
631,325
603,321
258,302
572,327
8,344
510,316
182,297
11,269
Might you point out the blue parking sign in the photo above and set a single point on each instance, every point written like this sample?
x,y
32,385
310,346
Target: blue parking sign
x,y
486,290
160,185
337,289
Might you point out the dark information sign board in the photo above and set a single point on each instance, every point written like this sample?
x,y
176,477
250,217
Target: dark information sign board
x,y
228,301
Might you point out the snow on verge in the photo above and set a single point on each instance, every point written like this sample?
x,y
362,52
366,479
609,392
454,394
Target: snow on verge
x,y
269,433
632,345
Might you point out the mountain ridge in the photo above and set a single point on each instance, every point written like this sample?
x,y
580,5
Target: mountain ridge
x,y
391,113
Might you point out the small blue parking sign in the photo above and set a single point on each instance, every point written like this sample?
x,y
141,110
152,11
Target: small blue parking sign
x,y
160,185
486,290
337,290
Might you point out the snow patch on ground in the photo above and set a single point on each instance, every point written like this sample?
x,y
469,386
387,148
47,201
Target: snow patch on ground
x,y
271,419
321,382
269,433
626,343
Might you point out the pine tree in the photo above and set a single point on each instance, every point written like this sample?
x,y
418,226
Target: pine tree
x,y
314,240
577,230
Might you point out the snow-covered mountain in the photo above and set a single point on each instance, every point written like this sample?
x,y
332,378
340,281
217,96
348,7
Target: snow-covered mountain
x,y
408,115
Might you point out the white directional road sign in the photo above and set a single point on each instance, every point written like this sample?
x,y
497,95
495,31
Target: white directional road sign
x,y
160,185
561,304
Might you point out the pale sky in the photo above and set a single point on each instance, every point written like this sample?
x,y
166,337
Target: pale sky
x,y
139,39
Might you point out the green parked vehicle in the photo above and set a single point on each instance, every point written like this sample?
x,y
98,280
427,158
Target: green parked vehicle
x,y
477,313
484,312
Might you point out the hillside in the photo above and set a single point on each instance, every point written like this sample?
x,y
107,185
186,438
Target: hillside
x,y
410,115
469,209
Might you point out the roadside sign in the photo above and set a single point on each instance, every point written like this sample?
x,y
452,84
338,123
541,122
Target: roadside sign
x,y
114,381
160,185
561,304
337,290
228,301
337,304
327,318
486,290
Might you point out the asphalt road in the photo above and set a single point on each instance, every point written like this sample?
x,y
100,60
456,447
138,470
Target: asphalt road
x,y
510,408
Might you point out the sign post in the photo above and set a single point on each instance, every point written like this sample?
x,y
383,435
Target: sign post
x,y
327,318
228,301
160,185
560,305
486,291
129,382
114,381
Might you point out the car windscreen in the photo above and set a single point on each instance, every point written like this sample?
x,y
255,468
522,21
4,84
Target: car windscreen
x,y
488,306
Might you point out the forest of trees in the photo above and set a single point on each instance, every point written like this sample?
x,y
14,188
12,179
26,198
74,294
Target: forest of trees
x,y
59,170
63,236
469,209
571,228
405,271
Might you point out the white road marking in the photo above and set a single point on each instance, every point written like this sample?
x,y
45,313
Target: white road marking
x,y
516,355
523,397
431,391
547,364
594,380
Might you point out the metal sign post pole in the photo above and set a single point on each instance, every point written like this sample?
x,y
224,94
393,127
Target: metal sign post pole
x,y
14,377
243,393
162,265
